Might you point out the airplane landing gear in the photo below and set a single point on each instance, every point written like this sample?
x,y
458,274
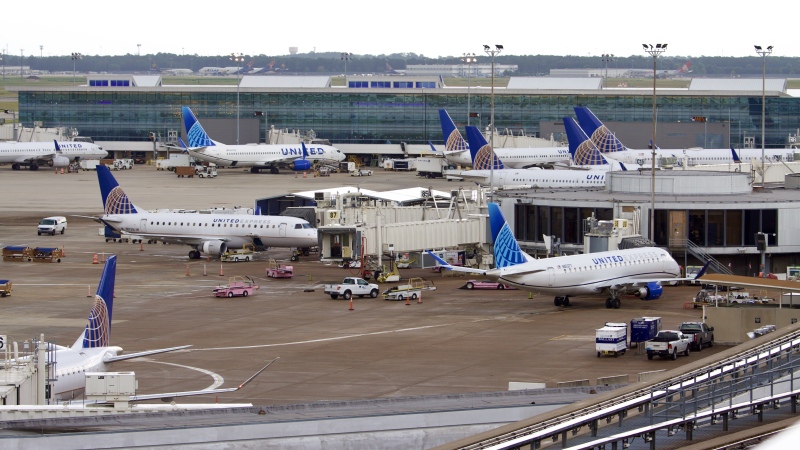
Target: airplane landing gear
x,y
561,301
194,254
613,303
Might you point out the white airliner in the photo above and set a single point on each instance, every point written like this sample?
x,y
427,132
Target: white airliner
x,y
505,178
638,271
92,351
612,148
56,154
298,157
212,234
457,150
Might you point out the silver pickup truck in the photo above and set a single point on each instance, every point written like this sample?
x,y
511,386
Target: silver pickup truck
x,y
667,344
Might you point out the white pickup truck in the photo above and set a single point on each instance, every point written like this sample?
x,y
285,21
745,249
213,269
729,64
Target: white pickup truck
x,y
351,286
667,344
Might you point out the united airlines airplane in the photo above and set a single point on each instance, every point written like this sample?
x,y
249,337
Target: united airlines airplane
x,y
638,271
212,234
505,178
457,150
298,157
612,148
59,154
93,352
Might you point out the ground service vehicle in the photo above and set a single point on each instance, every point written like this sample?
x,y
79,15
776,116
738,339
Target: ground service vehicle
x,y
174,160
361,173
184,171
5,288
700,335
351,286
209,171
667,344
486,284
237,287
612,339
238,254
410,291
122,164
52,225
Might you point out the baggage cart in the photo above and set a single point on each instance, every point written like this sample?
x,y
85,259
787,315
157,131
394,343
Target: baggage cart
x,y
644,329
612,339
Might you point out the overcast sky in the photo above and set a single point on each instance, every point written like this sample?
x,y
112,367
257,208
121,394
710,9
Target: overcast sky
x,y
430,28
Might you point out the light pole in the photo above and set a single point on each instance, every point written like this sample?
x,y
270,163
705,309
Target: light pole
x,y
492,52
3,58
41,50
21,58
468,58
606,58
138,49
346,57
75,57
14,123
763,52
238,58
654,52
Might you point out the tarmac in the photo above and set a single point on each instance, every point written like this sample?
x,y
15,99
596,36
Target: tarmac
x,y
453,342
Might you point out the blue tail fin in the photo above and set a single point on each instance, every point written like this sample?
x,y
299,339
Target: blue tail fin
x,y
305,150
183,145
433,149
581,148
602,137
482,153
98,329
506,250
735,156
195,133
114,199
58,147
453,142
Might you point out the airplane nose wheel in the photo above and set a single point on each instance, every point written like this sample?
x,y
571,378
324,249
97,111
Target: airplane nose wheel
x,y
561,301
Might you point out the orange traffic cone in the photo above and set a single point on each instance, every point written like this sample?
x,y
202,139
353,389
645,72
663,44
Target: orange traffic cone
x,y
187,270
295,174
305,174
351,304
204,271
62,171
103,257
407,301
141,246
63,253
88,290
419,299
94,259
221,273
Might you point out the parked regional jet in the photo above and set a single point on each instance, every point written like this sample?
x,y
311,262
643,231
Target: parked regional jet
x,y
457,150
36,154
212,234
256,156
505,178
637,271
93,352
612,148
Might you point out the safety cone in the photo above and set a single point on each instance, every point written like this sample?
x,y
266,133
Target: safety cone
x,y
221,273
419,298
63,253
94,259
204,271
141,246
407,300
351,304
103,257
62,171
56,170
305,174
295,174
187,270
88,290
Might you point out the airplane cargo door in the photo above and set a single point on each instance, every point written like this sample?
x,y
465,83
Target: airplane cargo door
x,y
282,230
143,226
551,276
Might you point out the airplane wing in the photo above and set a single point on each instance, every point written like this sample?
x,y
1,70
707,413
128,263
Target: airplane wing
x,y
145,353
750,282
447,266
170,396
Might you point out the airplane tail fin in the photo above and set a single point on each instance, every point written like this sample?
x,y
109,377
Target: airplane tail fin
x,y
483,156
735,156
114,199
58,147
581,148
602,137
98,330
195,133
305,150
506,249
453,142
651,145
703,270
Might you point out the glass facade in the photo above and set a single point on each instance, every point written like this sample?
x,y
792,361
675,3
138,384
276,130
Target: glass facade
x,y
359,116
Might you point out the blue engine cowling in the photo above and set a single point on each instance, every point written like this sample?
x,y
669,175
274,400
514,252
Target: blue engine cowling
x,y
301,164
651,291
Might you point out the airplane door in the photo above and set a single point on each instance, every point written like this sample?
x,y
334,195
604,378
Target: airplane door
x,y
282,230
551,276
677,226
143,226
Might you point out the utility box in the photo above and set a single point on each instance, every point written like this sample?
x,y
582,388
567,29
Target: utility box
x,y
110,386
612,339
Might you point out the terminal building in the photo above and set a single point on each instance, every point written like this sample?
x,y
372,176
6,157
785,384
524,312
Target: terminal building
x,y
391,115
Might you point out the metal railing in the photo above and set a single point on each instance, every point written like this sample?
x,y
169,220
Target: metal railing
x,y
698,252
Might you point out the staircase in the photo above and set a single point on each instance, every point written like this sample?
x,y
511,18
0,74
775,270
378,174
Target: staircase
x,y
698,252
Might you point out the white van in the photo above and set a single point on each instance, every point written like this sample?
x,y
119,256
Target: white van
x,y
52,225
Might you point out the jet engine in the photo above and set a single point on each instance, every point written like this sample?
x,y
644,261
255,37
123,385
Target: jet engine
x,y
58,161
301,164
651,291
215,247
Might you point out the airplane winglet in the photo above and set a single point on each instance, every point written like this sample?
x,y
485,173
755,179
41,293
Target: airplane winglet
x,y
703,270
258,373
622,167
58,147
305,151
735,156
433,149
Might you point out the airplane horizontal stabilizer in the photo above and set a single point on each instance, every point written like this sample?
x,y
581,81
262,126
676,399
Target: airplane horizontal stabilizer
x,y
145,353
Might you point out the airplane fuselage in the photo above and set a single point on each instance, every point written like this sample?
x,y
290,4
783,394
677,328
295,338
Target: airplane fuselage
x,y
588,274
234,229
42,152
264,154
72,366
693,157
517,158
537,178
